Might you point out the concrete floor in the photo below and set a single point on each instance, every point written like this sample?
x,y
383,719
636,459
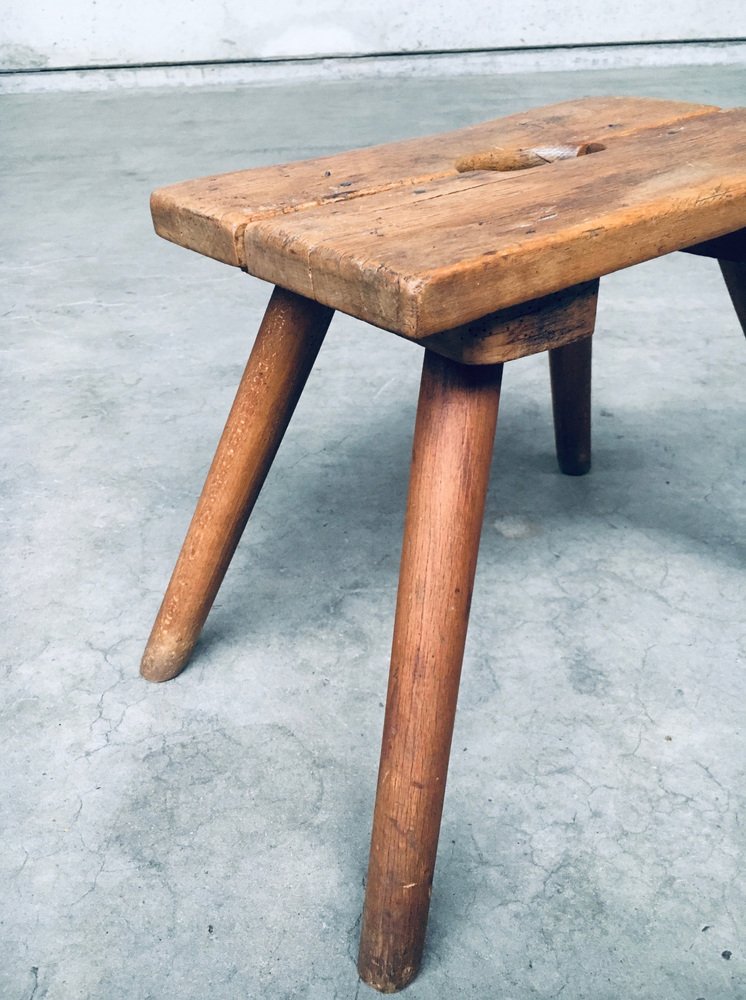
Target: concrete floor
x,y
208,838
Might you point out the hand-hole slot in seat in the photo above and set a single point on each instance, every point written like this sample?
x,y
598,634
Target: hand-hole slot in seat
x,y
506,159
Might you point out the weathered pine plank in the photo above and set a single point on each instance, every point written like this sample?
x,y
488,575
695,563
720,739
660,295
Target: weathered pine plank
x,y
428,258
210,214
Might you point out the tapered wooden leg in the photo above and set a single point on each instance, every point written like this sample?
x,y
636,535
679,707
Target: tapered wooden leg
x,y
735,280
453,440
286,346
570,372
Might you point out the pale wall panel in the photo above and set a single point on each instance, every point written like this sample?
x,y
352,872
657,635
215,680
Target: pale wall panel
x,y
130,32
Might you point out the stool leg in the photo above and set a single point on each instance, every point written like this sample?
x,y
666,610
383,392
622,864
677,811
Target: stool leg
x,y
286,346
735,281
453,438
570,373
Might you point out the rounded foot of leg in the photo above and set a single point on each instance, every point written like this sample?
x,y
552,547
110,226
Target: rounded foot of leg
x,y
162,660
575,465
386,980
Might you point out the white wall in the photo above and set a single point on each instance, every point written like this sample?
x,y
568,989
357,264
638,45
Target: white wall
x,y
65,33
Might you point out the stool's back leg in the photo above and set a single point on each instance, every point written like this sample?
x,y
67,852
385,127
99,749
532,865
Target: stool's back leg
x,y
286,346
570,373
453,440
734,273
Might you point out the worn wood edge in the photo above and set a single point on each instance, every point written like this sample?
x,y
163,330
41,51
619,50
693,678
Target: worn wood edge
x,y
418,307
174,222
285,260
542,271
731,247
221,237
518,331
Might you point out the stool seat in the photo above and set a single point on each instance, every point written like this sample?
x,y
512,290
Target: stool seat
x,y
425,235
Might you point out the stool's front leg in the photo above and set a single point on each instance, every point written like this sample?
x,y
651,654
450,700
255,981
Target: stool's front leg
x,y
286,346
453,441
734,273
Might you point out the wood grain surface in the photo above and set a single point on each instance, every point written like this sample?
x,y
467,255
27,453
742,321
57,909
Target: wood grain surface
x,y
538,325
424,259
209,214
285,349
453,439
418,238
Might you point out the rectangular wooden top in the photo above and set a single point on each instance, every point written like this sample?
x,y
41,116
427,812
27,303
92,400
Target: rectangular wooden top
x,y
417,237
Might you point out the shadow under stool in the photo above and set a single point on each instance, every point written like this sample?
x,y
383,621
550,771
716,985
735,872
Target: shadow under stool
x,y
484,245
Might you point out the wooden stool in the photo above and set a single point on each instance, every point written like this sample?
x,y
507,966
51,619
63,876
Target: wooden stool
x,y
483,245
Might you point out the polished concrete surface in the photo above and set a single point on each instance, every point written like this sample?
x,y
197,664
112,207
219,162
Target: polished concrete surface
x,y
208,838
